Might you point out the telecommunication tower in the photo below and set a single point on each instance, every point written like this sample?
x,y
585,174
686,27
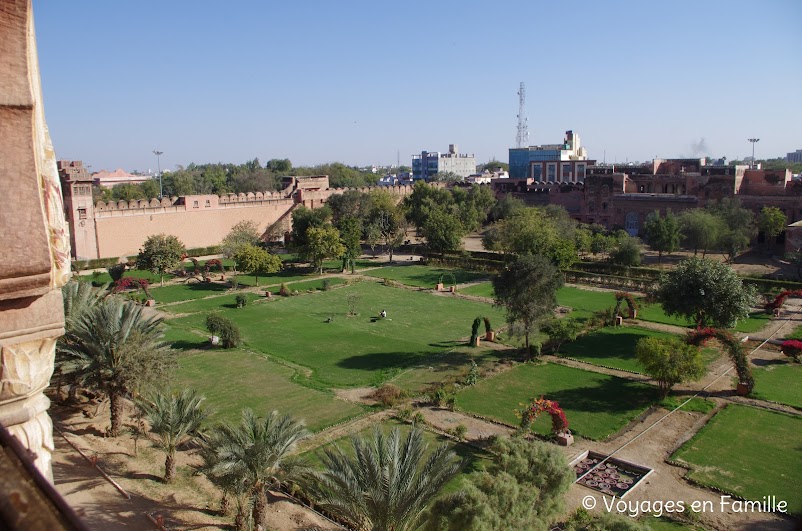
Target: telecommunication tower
x,y
522,138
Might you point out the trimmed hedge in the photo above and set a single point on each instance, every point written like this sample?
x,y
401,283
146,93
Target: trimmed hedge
x,y
98,263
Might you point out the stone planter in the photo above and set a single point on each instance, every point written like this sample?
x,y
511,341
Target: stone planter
x,y
452,289
742,389
150,302
476,342
268,294
619,321
439,286
565,439
214,340
633,314
490,336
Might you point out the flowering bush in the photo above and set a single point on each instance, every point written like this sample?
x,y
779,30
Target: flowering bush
x,y
779,300
792,348
559,423
620,297
131,283
735,348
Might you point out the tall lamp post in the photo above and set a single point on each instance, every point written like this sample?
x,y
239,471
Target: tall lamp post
x,y
753,141
159,165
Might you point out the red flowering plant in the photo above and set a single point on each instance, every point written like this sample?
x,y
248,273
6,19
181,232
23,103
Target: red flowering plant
x,y
559,422
779,300
792,348
131,283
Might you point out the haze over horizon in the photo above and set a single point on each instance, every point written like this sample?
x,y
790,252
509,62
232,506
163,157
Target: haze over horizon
x,y
357,82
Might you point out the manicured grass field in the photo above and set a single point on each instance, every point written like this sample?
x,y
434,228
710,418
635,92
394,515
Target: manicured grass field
x,y
750,452
596,405
796,334
615,347
422,276
351,351
233,380
223,302
483,289
655,314
473,458
781,382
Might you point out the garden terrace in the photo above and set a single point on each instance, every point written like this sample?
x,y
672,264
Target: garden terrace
x,y
748,452
596,405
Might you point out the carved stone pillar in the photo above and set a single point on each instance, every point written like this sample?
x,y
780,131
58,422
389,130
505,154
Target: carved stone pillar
x,y
34,248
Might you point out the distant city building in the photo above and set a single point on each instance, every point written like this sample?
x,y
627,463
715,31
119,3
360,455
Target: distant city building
x,y
487,176
795,156
395,179
553,163
118,176
429,163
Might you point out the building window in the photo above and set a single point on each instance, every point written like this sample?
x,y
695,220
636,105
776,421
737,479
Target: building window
x,y
566,176
194,204
631,223
551,172
537,172
208,203
580,172
81,213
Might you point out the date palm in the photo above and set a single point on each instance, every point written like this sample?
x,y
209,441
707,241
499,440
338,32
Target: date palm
x,y
115,349
255,456
78,298
386,483
176,420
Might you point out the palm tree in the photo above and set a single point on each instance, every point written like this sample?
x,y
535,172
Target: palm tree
x,y
78,298
254,456
176,419
115,349
386,484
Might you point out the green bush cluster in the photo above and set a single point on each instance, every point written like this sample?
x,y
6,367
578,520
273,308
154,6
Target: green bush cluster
x,y
223,328
241,299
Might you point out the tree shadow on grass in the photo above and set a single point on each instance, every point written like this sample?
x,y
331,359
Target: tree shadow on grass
x,y
184,344
377,361
611,395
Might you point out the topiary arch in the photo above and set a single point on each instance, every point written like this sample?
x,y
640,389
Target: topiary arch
x,y
453,279
559,423
734,347
620,297
779,300
214,262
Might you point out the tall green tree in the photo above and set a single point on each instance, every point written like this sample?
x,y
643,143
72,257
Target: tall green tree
x,y
443,231
771,222
115,349
385,483
255,455
531,231
351,237
523,488
176,419
669,361
705,292
304,219
160,253
322,243
79,298
700,229
527,290
626,251
662,233
241,235
737,226
253,260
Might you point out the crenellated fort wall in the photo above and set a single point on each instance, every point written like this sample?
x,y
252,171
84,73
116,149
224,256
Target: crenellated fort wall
x,y
115,229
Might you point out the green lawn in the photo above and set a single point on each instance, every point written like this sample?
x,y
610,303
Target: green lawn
x,y
596,405
750,452
233,380
612,347
472,458
422,276
796,334
780,382
483,289
655,314
350,351
615,347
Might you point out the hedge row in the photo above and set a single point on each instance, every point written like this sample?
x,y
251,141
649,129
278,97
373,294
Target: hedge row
x,y
573,276
98,263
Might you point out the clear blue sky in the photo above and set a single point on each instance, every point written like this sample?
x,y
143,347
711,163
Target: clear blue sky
x,y
357,81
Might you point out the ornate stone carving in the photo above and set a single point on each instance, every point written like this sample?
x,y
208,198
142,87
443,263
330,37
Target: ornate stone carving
x,y
35,240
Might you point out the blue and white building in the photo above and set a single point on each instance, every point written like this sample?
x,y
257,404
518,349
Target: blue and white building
x,y
551,163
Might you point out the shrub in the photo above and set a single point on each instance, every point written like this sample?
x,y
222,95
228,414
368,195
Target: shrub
x,y
473,374
388,395
234,283
404,414
326,284
418,418
116,271
792,348
241,299
224,328
283,290
460,431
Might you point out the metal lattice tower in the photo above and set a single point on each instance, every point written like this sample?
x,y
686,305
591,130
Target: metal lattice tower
x,y
522,138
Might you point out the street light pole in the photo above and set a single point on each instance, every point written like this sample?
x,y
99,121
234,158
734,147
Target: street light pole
x,y
753,141
159,165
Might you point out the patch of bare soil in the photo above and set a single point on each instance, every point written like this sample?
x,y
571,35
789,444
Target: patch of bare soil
x,y
359,395
478,430
190,502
